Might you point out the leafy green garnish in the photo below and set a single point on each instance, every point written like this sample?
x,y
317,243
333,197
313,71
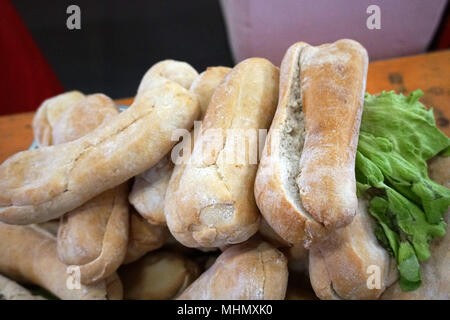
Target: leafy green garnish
x,y
397,137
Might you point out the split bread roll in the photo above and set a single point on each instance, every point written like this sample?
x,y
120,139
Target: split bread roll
x,y
158,276
144,237
212,202
340,267
435,271
252,270
43,184
149,188
10,290
48,114
306,184
93,236
29,254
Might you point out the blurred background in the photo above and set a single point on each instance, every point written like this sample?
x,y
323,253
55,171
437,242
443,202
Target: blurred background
x,y
119,40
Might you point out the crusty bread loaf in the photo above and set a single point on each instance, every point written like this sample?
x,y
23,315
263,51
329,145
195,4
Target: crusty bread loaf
x,y
48,114
339,266
252,270
435,271
212,202
149,188
29,254
144,237
43,184
305,184
159,275
206,83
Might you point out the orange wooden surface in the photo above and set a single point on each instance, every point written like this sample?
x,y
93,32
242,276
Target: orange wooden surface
x,y
429,72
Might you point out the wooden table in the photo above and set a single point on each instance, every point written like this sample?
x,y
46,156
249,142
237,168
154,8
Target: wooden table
x,y
429,72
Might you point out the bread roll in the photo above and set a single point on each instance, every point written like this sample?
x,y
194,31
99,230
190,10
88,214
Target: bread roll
x,y
340,267
84,116
177,71
206,83
144,237
48,114
39,185
157,276
94,236
29,254
306,180
253,270
149,188
149,191
211,200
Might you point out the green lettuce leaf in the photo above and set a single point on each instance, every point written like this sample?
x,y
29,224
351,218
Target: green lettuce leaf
x,y
409,268
397,137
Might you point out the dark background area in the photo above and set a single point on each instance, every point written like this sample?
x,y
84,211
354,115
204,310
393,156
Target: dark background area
x,y
119,40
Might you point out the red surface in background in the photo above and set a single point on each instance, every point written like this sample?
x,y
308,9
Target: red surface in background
x,y
26,78
444,40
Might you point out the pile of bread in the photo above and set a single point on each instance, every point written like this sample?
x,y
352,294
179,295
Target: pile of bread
x,y
105,209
